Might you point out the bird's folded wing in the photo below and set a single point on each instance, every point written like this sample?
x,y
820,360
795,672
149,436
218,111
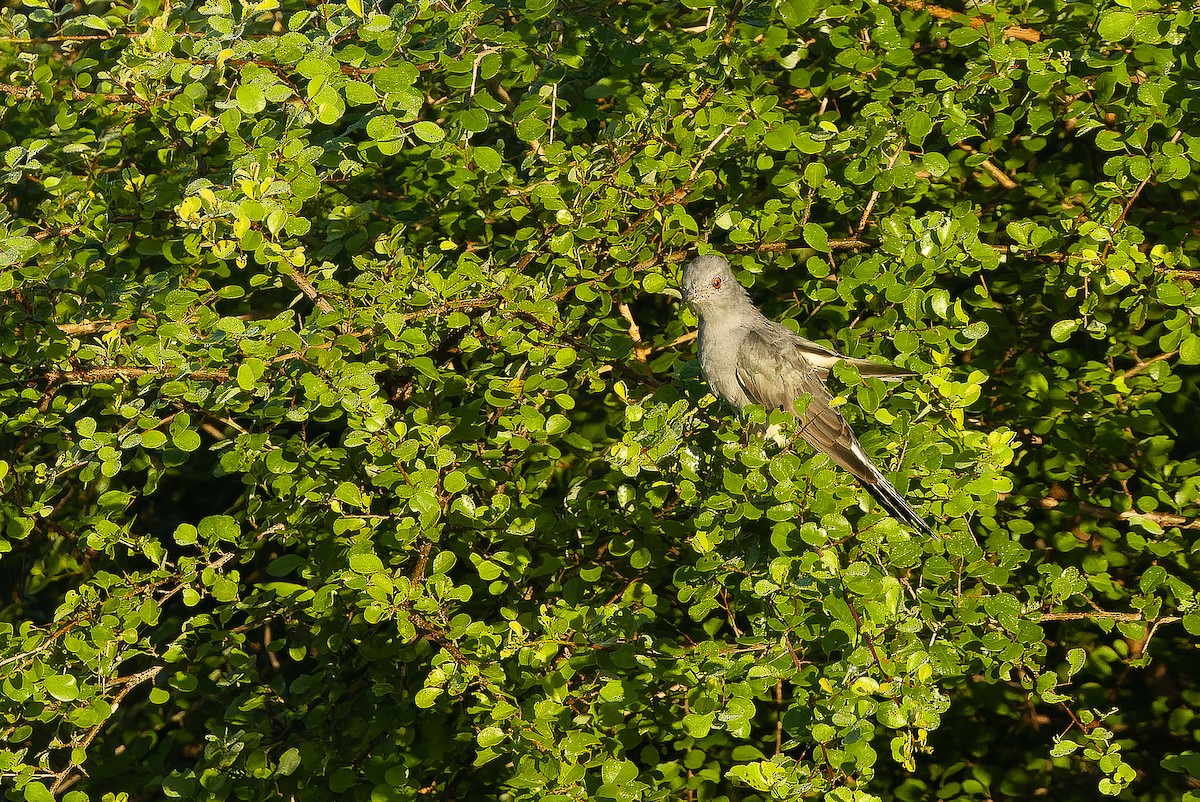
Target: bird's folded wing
x,y
774,372
823,359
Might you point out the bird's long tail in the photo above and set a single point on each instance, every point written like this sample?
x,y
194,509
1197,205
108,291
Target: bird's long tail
x,y
891,500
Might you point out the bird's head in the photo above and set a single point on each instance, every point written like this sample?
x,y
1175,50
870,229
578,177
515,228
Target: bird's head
x,y
708,284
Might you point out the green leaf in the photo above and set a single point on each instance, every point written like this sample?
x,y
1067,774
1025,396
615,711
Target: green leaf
x,y
349,493
219,528
487,158
395,78
531,128
961,37
1116,25
153,439
474,120
1189,350
37,792
454,482
365,563
795,13
816,237
359,93
249,372
1063,329
62,687
428,132
936,164
426,697
285,565
184,439
490,736
250,99
289,761
186,534
1110,140
224,589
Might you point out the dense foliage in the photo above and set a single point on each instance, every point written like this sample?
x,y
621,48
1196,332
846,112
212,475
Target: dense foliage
x,y
352,447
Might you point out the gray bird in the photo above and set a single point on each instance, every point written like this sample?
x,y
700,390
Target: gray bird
x,y
748,359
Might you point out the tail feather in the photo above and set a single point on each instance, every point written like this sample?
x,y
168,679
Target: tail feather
x,y
889,373
890,499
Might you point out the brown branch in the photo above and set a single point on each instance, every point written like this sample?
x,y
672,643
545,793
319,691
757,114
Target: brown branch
x,y
64,231
1190,275
456,305
46,644
418,574
640,348
680,340
1129,204
579,344
1013,32
702,100
64,778
437,636
308,289
92,375
318,300
779,716
734,11
91,37
842,244
995,172
26,92
93,326
708,152
99,37
862,223
1096,511
1142,365
676,256
1096,614
848,244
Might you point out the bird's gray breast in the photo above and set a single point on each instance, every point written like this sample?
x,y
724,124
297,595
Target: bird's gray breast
x,y
717,348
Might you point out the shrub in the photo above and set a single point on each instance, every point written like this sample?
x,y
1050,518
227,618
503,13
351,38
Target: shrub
x,y
352,443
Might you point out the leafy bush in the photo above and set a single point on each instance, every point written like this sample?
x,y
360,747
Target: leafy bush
x,y
352,444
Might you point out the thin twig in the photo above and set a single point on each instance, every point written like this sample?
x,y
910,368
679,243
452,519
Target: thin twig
x,y
1140,366
1129,204
93,375
93,326
64,778
318,300
734,11
1096,511
711,147
640,348
995,172
418,573
1013,32
862,223
25,92
1190,275
1097,614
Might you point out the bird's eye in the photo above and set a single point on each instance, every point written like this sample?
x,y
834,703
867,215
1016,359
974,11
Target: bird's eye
x,y
716,283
